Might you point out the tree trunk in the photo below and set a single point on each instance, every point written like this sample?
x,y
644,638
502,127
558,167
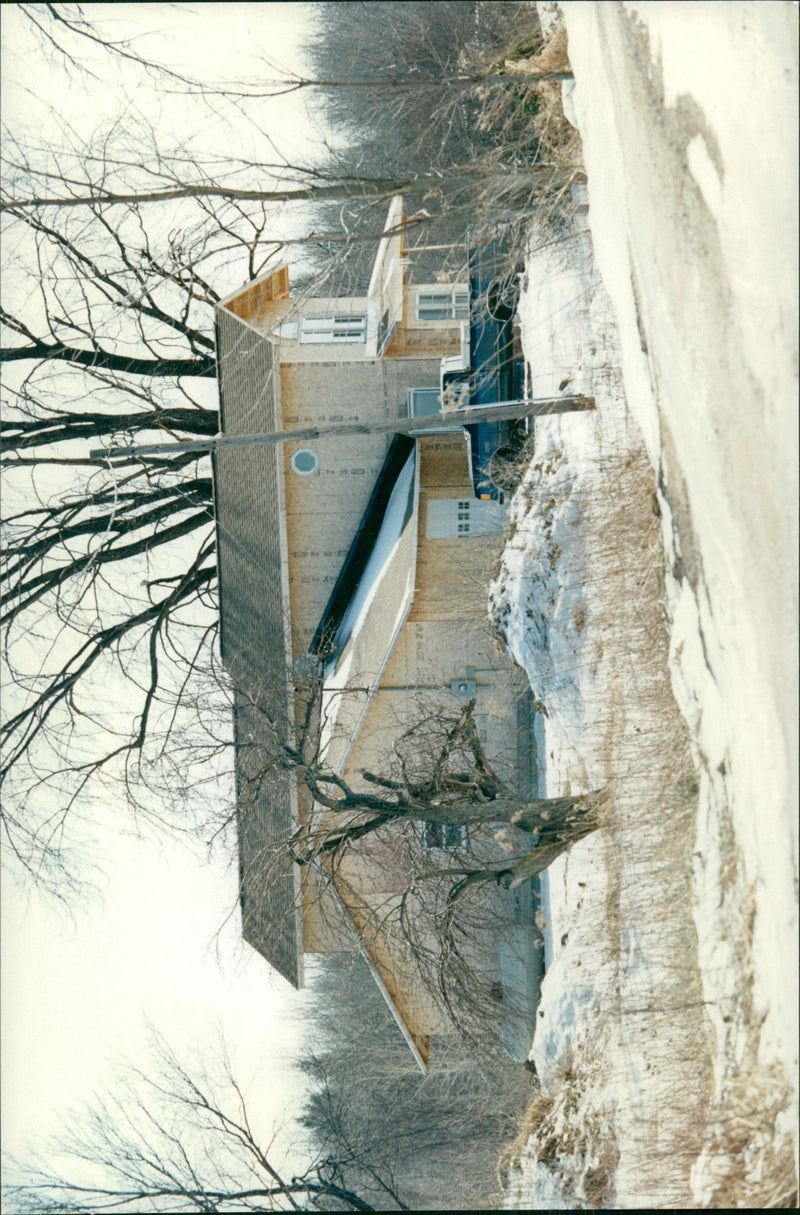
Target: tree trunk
x,y
499,411
43,351
547,816
343,190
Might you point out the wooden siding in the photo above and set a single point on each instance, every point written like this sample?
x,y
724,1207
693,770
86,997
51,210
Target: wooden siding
x,y
415,342
452,578
325,510
445,465
248,303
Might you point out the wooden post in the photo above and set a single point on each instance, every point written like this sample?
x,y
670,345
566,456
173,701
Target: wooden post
x,y
454,420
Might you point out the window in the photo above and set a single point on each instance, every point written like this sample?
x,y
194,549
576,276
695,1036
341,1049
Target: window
x,y
288,330
444,304
423,401
426,402
438,836
333,329
305,462
460,518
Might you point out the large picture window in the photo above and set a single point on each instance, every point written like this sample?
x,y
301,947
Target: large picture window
x,y
333,329
442,304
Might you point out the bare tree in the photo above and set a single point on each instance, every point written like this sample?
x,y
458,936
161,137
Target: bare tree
x,y
438,772
436,783
119,247
110,338
109,335
179,1139
438,1135
109,326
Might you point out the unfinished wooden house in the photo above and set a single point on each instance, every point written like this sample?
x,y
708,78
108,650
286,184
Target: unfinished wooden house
x,y
380,546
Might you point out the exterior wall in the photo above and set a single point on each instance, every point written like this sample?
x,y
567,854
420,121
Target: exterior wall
x,y
282,319
446,636
425,337
325,510
414,336
428,657
445,465
324,927
261,295
388,280
451,578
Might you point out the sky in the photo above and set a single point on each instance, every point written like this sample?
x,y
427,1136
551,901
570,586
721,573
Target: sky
x,y
158,939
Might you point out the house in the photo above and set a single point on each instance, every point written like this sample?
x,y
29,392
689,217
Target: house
x,y
372,546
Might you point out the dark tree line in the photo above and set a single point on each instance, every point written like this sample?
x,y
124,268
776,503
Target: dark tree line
x,y
438,1136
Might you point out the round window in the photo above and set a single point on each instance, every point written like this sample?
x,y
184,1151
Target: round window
x,y
305,462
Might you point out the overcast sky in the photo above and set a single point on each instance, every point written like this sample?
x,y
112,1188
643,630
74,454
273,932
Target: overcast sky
x,y
158,940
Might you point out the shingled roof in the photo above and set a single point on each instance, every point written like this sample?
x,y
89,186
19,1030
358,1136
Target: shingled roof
x,y
255,641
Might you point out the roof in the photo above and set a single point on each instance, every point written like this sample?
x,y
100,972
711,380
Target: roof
x,y
254,640
359,552
370,601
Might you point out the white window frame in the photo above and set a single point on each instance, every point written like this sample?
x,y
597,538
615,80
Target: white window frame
x,y
460,518
448,303
411,398
333,328
413,395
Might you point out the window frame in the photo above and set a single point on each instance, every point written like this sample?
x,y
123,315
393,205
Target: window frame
x,y
452,305
304,472
414,394
333,329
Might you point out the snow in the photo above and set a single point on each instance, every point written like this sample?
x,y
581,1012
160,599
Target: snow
x,y
684,113
546,603
389,536
735,439
338,668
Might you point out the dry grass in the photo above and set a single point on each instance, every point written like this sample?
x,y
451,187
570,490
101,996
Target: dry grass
x,y
635,1108
655,1013
750,1161
525,119
558,141
537,1112
639,942
557,1128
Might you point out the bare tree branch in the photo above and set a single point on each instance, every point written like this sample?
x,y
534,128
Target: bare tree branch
x,y
173,1140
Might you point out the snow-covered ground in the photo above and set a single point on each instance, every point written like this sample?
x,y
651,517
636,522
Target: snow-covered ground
x,y
689,346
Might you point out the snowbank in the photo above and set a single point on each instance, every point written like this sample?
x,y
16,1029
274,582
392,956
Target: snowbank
x,y
683,112
577,602
687,115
